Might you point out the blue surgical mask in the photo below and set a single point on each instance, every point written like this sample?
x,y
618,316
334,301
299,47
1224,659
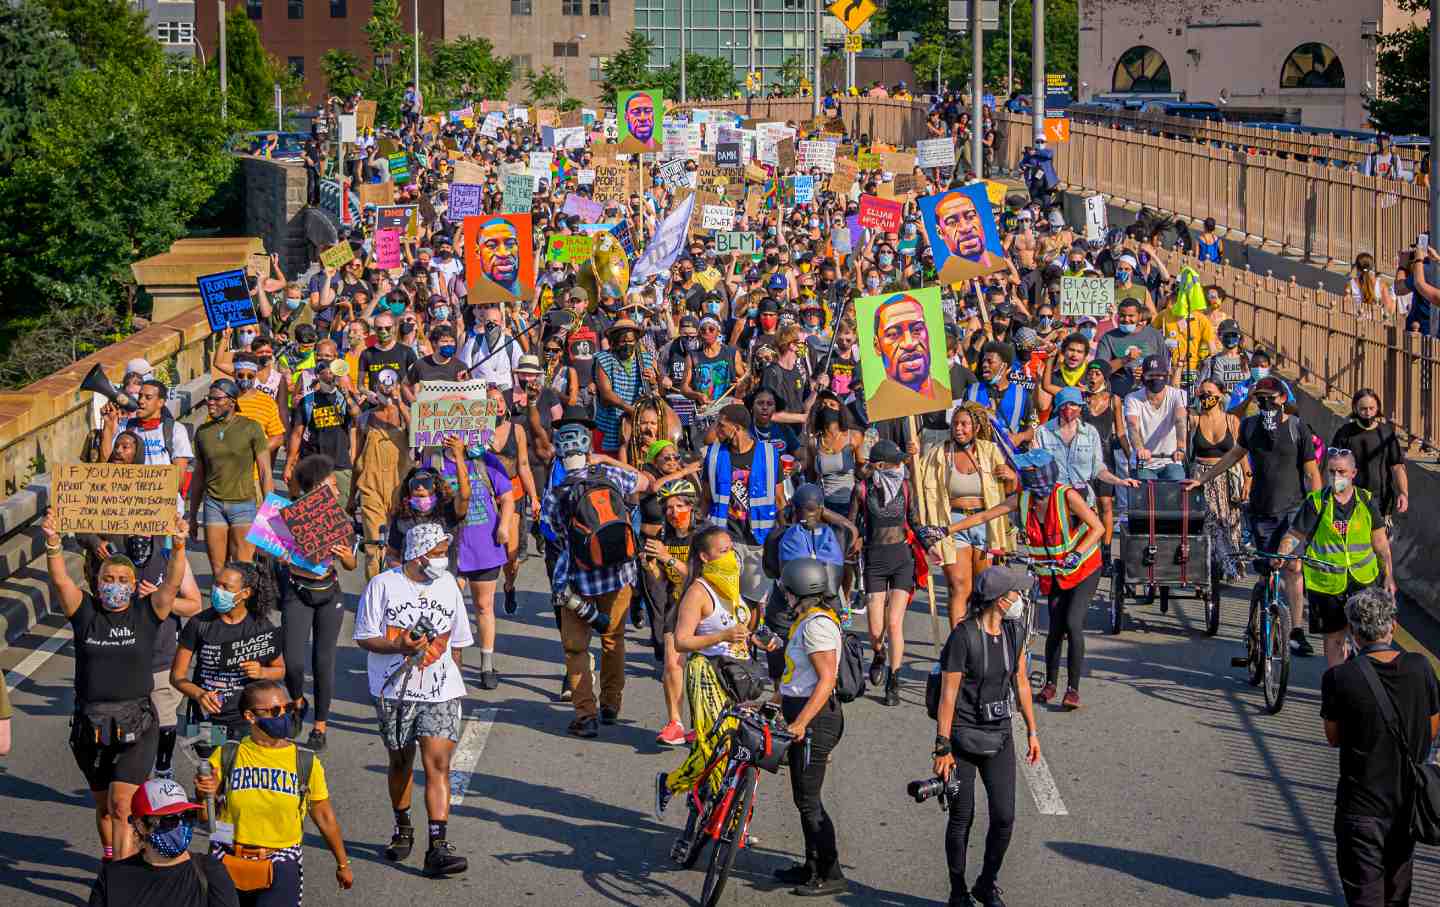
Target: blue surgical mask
x,y
1122,276
115,596
886,260
996,378
1046,323
447,350
440,313
1259,372
174,842
1088,333
280,728
1127,328
292,304
222,600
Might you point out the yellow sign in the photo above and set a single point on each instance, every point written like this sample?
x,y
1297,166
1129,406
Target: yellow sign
x,y
1057,129
853,13
854,44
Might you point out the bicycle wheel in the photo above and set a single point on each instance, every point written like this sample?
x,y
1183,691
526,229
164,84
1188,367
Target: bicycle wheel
x,y
691,842
722,857
1117,598
1277,657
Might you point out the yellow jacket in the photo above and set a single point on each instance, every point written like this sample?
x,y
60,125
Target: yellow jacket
x,y
933,493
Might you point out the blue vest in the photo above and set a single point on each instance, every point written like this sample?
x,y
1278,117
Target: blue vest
x,y
799,542
764,471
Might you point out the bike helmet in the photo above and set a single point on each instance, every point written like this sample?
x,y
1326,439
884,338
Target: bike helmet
x,y
674,488
808,495
1039,472
572,440
810,581
1094,245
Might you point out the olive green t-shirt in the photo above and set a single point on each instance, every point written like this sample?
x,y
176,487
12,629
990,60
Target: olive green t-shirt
x,y
228,452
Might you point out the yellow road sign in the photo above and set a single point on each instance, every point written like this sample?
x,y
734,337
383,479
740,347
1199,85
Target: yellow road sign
x,y
854,44
853,13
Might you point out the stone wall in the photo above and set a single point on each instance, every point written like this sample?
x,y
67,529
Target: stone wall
x,y
274,199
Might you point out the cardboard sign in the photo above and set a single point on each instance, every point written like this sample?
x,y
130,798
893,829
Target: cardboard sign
x,y
318,523
269,534
1096,218
785,153
467,172
365,114
446,408
1093,296
727,155
226,296
743,243
387,249
867,160
115,498
587,210
844,176
904,184
817,154
754,173
466,200
377,193
897,161
571,248
934,153
519,192
612,185
673,175
338,255
880,214
392,217
717,217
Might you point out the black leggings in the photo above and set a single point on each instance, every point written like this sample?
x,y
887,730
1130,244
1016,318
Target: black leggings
x,y
314,618
998,773
1067,618
824,732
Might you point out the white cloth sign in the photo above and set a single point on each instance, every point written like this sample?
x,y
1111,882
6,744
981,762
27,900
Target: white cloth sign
x,y
1092,296
934,153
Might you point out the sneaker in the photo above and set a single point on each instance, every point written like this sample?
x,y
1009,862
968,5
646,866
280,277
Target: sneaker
x,y
510,605
587,728
795,874
167,774
1302,642
316,741
877,668
609,715
819,888
1071,702
671,734
490,680
690,737
637,617
401,843
442,860
1046,694
565,691
859,606
989,897
662,795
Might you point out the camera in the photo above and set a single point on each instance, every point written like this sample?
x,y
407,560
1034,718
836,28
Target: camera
x,y
423,628
585,610
924,789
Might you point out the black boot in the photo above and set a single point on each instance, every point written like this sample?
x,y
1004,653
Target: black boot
x,y
892,686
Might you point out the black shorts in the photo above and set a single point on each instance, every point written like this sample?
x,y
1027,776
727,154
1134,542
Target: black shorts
x,y
1102,489
106,765
481,576
1267,529
1327,612
889,568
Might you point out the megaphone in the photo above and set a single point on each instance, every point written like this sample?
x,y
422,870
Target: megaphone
x,y
97,382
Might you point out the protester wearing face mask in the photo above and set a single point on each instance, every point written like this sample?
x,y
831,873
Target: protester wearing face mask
x,y
164,873
114,732
264,786
323,422
490,352
1127,345
255,404
387,355
1012,404
1242,396
441,364
1379,458
1213,436
231,452
412,623
1229,366
1157,424
426,498
623,374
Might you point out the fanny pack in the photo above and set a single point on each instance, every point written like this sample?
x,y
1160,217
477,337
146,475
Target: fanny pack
x,y
248,869
744,679
107,724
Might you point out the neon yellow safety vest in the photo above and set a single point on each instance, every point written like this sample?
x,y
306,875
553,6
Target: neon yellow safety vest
x,y
1346,556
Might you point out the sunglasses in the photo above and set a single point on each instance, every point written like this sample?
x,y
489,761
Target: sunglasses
x,y
166,823
275,711
1338,452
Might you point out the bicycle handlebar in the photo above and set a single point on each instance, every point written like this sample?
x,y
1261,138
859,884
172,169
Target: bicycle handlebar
x,y
1277,556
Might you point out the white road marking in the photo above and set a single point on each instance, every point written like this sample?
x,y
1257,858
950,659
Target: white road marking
x,y
32,662
1038,777
467,753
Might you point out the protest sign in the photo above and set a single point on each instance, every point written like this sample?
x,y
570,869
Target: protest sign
x,y
392,217
612,185
857,232
399,168
568,137
115,498
1092,296
673,175
1096,219
269,533
816,153
903,184
518,192
338,255
717,217
499,257
466,200
727,154
347,128
743,243
365,114
540,163
897,161
584,177
570,248
446,408
934,153
961,229
494,122
754,173
867,160
582,207
377,193
902,353
466,172
880,213
640,123
520,113
803,189
844,176
226,296
387,249
785,153
318,523
840,242
546,116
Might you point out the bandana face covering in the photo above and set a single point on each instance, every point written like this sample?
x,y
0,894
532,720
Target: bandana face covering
x,y
174,842
724,574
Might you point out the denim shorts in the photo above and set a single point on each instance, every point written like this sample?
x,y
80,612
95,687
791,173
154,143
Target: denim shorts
x,y
227,513
974,537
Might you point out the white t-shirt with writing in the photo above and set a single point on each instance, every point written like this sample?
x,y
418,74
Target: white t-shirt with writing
x,y
817,633
156,453
1159,426
391,604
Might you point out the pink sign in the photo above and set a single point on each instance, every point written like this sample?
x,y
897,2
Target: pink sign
x,y
387,249
880,213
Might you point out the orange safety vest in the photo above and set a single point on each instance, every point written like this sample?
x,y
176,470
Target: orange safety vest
x,y
1049,537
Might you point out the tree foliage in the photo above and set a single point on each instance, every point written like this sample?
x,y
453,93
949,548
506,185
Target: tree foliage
x,y
546,87
36,58
706,78
929,19
1402,62
252,74
629,70
343,76
103,31
793,75
468,67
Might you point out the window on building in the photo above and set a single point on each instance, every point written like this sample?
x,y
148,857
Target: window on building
x,y
599,7
297,9
338,9
175,32
572,7
1141,69
1312,65
566,49
255,8
297,66
597,68
522,7
522,63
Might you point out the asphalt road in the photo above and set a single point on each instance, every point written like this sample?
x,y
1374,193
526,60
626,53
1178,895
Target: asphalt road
x,y
1171,786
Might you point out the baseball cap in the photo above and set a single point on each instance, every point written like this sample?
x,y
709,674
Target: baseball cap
x,y
529,363
305,333
140,367
1069,395
887,451
422,539
1099,365
1271,385
1027,339
1000,581
776,282
1153,365
160,797
1229,326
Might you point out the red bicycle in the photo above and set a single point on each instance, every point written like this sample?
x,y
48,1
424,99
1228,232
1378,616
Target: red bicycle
x,y
750,742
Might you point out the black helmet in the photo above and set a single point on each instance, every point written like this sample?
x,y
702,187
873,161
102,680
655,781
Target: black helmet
x,y
808,495
810,580
887,451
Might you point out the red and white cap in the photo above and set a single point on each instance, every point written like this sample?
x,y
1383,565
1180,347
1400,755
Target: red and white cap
x,y
160,797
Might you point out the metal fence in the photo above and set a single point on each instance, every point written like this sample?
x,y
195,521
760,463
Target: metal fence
x,y
1324,213
882,120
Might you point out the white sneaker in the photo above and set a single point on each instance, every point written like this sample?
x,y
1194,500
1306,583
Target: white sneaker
x,y
167,774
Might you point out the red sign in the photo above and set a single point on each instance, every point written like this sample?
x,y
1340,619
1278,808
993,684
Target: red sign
x,y
318,524
880,213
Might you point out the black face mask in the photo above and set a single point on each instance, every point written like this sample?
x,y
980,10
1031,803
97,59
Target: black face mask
x,y
624,351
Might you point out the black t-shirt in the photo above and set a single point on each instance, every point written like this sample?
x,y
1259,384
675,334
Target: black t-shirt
x,y
788,385
113,650
134,881
1376,451
1277,458
219,649
739,520
987,678
1370,769
1308,519
427,369
399,359
327,422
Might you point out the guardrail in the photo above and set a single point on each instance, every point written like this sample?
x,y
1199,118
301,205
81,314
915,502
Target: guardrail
x,y
883,120
1324,213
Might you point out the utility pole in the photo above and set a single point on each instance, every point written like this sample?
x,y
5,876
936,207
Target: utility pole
x,y
421,107
1037,70
1434,118
1010,49
682,51
815,88
224,63
977,89
939,57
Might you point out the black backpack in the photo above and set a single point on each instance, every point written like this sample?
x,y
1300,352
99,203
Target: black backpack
x,y
597,523
850,676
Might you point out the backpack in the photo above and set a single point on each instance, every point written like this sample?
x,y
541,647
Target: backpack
x,y
597,524
304,765
850,676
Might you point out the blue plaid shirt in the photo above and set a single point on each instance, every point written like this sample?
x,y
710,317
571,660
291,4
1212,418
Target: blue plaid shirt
x,y
589,583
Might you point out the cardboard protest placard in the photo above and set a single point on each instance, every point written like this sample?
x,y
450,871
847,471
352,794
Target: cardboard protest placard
x,y
115,498
902,353
466,200
717,217
1092,296
960,226
468,172
541,162
494,122
499,257
612,185
387,146
387,249
867,160
880,213
785,153
815,153
269,533
754,173
640,120
897,161
844,176
735,192
446,408
392,217
365,114
227,300
518,193
931,153
904,184
742,243
377,193
752,205
546,116
727,154
338,255
318,523
587,210
570,248
571,118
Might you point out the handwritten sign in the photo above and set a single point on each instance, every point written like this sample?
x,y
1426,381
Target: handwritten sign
x,y
744,243
318,523
269,534
934,153
584,177
727,154
570,249
226,296
583,208
1096,218
817,154
868,160
519,190
445,408
1092,296
466,200
612,185
387,249
338,255
673,175
717,217
785,153
880,213
540,163
376,193
115,498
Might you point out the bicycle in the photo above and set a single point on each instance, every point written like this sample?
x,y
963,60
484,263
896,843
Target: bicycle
x,y
752,742
1267,633
1030,618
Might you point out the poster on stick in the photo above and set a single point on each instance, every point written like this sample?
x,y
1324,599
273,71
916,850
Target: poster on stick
x,y
1082,296
226,296
445,408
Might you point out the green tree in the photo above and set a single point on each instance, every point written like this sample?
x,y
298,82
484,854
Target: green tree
x,y
393,50
253,74
709,78
1402,103
467,68
1062,43
342,72
546,86
35,60
792,75
629,70
106,31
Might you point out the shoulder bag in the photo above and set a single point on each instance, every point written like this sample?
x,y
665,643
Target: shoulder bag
x,y
1424,776
987,737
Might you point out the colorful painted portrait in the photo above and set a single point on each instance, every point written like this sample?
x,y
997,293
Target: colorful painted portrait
x,y
902,353
960,225
499,257
640,116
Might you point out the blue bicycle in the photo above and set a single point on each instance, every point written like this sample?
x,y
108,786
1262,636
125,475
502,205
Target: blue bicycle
x,y
1267,633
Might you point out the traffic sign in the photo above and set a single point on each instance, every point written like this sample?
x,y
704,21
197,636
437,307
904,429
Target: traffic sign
x,y
959,18
853,13
1057,129
854,44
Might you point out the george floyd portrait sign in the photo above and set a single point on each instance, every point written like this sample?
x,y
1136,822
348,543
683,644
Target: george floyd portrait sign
x,y
640,118
902,353
499,257
960,225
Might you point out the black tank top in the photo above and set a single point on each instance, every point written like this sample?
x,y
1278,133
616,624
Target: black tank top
x,y
1205,450
884,523
1104,424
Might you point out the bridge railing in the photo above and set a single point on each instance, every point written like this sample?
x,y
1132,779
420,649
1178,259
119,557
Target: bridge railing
x,y
883,120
